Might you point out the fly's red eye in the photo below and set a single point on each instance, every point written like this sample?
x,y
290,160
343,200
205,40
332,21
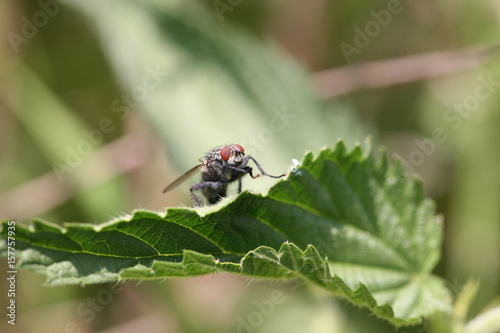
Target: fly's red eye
x,y
240,148
225,153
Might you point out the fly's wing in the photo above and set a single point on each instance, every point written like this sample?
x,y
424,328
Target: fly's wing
x,y
182,178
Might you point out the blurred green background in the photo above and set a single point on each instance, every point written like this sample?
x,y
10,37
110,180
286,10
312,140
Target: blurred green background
x,y
102,104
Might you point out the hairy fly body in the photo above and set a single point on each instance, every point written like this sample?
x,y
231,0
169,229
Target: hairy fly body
x,y
222,166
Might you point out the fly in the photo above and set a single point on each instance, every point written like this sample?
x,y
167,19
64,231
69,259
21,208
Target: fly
x,y
222,166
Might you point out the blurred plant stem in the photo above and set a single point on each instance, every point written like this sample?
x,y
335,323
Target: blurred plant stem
x,y
384,73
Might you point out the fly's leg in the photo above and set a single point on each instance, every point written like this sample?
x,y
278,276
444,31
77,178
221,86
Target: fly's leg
x,y
245,161
196,200
208,188
245,170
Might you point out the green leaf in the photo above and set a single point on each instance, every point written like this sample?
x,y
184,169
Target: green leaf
x,y
355,227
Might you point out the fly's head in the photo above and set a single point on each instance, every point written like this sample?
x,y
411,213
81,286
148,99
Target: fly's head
x,y
220,163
